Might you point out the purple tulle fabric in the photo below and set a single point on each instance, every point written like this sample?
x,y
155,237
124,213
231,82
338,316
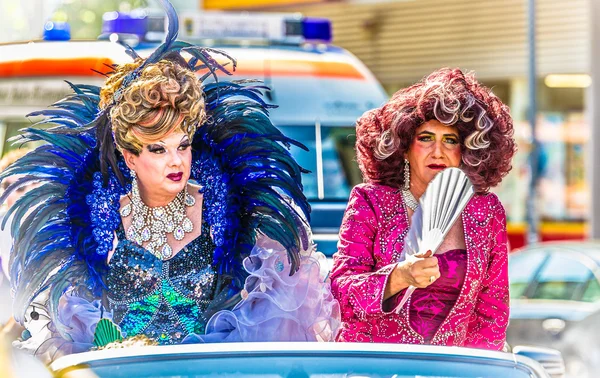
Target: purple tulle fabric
x,y
276,306
429,307
82,316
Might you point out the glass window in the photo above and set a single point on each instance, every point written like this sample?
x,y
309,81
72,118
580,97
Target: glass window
x,y
561,278
592,291
563,188
522,268
340,171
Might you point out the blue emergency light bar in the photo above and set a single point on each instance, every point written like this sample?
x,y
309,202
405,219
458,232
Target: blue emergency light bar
x,y
57,31
284,28
135,23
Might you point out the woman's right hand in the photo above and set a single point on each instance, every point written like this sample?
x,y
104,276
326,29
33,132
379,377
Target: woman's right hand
x,y
419,273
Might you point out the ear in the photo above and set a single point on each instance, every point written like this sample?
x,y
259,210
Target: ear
x,y
130,159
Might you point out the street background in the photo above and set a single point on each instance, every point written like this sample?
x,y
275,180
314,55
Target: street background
x,y
400,42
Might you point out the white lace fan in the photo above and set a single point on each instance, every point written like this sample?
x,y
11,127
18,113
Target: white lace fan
x,y
439,208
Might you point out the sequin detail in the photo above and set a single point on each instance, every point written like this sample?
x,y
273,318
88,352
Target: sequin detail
x,y
223,216
104,210
430,307
371,241
165,300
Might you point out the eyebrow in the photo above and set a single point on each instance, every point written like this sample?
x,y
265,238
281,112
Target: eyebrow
x,y
164,143
430,133
158,142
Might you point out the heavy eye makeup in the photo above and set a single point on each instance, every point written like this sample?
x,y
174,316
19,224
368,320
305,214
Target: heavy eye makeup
x,y
428,137
159,149
185,144
425,136
451,139
155,148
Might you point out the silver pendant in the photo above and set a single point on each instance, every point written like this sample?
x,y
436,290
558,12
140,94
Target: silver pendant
x,y
170,226
126,210
179,234
189,200
145,234
166,251
187,225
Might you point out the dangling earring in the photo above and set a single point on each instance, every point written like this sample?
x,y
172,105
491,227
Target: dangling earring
x,y
134,183
133,179
406,174
409,199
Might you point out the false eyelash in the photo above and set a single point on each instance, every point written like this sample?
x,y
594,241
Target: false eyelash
x,y
155,149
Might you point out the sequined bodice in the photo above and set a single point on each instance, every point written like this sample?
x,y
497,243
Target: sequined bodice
x,y
165,300
430,307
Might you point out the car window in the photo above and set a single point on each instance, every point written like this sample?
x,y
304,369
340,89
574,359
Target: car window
x,y
339,169
522,268
592,291
562,278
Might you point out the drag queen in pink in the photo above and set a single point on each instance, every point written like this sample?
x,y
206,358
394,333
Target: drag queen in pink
x,y
446,120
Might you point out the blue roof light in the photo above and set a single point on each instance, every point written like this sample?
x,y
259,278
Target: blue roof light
x,y
57,31
316,29
125,23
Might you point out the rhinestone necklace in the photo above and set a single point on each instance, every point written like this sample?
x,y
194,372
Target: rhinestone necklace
x,y
154,223
410,200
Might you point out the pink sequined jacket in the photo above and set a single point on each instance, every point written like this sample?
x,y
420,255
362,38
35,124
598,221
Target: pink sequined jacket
x,y
371,241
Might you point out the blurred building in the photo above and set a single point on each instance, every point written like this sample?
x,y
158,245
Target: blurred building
x,y
401,41
24,19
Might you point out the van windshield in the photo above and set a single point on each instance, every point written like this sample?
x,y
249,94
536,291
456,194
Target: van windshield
x,y
339,172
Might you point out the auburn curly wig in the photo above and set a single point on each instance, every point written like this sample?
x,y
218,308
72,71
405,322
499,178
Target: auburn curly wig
x,y
164,98
384,135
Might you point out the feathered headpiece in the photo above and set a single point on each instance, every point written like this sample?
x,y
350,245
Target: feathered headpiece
x,y
64,228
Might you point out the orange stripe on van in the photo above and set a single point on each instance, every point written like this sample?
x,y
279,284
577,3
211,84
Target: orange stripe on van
x,y
305,68
54,67
83,67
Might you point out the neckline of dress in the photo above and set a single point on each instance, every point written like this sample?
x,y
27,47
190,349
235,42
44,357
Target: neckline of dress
x,y
146,251
451,251
121,230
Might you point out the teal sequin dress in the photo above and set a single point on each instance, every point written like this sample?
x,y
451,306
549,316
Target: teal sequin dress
x,y
166,300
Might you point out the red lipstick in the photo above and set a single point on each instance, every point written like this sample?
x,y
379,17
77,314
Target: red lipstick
x,y
175,176
437,166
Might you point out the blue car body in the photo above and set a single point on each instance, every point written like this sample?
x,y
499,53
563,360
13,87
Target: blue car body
x,y
298,360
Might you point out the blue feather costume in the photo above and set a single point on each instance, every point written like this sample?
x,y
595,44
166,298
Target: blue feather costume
x,y
270,283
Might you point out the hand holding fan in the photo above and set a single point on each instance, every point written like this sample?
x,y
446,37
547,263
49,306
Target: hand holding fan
x,y
439,208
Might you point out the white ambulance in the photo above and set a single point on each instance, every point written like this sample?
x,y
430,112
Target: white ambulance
x,y
320,89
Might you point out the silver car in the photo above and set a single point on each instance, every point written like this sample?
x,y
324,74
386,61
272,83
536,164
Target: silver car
x,y
555,302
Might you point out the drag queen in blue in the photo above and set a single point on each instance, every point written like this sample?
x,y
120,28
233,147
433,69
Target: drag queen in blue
x,y
170,210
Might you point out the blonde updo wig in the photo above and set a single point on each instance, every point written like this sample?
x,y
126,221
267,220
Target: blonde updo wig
x,y
166,97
